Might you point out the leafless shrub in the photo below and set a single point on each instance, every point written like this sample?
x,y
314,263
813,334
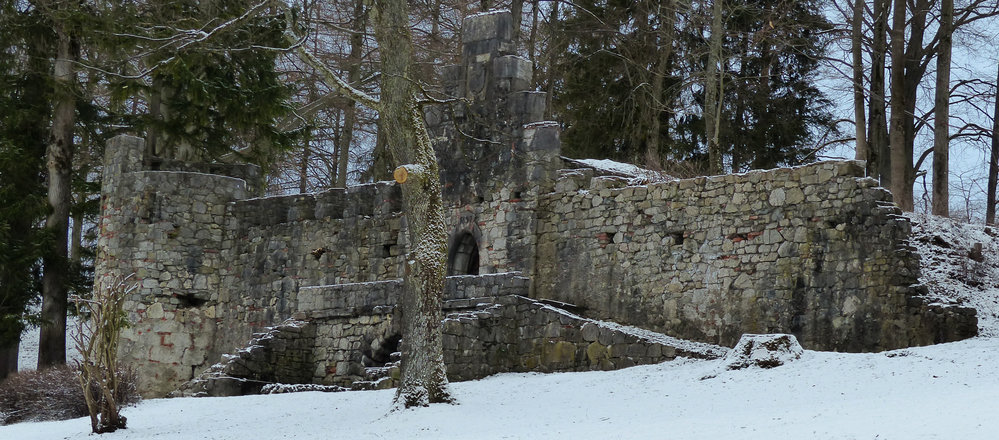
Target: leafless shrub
x,y
34,396
103,318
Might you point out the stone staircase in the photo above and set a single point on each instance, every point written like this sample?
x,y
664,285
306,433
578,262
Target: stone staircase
x,y
489,328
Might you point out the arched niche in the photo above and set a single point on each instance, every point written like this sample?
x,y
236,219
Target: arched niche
x,y
463,257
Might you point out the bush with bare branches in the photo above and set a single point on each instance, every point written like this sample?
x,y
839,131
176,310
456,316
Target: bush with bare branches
x,y
103,318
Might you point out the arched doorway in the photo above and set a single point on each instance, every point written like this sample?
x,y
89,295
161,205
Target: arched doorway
x,y
463,258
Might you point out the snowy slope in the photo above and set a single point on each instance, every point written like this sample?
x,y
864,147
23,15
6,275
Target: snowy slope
x,y
952,275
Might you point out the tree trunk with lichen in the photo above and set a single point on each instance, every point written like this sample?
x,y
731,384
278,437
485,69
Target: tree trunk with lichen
x,y
424,378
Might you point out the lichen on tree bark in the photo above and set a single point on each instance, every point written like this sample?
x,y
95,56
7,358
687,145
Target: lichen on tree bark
x,y
424,378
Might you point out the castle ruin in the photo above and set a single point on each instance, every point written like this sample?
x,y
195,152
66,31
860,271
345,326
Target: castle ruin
x,y
555,266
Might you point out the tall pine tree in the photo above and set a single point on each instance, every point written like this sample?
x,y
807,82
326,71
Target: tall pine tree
x,y
24,116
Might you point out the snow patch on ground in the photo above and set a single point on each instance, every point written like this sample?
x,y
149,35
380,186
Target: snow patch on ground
x,y
27,356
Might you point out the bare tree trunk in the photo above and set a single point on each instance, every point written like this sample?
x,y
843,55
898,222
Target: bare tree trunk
x,y
879,162
52,342
155,97
353,75
303,169
552,55
712,91
900,188
640,78
941,122
381,168
990,204
914,69
532,40
666,32
424,379
516,10
859,101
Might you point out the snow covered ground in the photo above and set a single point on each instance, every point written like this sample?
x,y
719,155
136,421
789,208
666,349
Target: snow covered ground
x,y
947,391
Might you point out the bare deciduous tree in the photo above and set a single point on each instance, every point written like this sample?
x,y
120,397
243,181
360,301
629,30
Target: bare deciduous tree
x,y
52,341
713,80
941,122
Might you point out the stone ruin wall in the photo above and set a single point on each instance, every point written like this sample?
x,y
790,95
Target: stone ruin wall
x,y
168,230
817,251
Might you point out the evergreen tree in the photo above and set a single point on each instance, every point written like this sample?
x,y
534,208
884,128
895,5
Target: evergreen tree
x,y
24,115
604,77
205,99
773,108
770,109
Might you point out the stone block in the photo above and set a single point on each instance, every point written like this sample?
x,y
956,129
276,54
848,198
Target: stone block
x,y
497,25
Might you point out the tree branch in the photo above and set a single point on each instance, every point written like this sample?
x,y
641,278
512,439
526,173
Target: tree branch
x,y
331,78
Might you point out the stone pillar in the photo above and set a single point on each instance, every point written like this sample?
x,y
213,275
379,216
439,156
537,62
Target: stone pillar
x,y
497,154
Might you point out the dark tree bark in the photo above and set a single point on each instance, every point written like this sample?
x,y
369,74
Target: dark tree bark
x,y
915,64
353,75
52,342
712,90
517,10
666,34
303,169
941,122
554,46
532,39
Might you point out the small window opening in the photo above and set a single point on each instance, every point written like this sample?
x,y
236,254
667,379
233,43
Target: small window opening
x,y
189,301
